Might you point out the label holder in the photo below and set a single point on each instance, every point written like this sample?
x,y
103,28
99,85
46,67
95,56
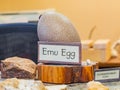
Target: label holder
x,y
59,50
107,74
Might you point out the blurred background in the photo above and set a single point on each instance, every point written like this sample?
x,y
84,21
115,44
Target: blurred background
x,y
100,16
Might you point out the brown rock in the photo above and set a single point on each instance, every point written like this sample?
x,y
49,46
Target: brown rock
x,y
18,67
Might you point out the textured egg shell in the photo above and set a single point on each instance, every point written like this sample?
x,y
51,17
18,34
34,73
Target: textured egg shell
x,y
55,27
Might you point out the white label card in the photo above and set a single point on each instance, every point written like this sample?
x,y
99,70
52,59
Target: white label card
x,y
60,53
107,74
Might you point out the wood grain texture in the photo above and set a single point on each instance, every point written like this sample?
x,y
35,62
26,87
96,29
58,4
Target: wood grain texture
x,y
64,73
54,73
87,73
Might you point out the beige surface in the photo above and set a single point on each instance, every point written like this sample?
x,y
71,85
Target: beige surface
x,y
57,87
86,44
96,50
